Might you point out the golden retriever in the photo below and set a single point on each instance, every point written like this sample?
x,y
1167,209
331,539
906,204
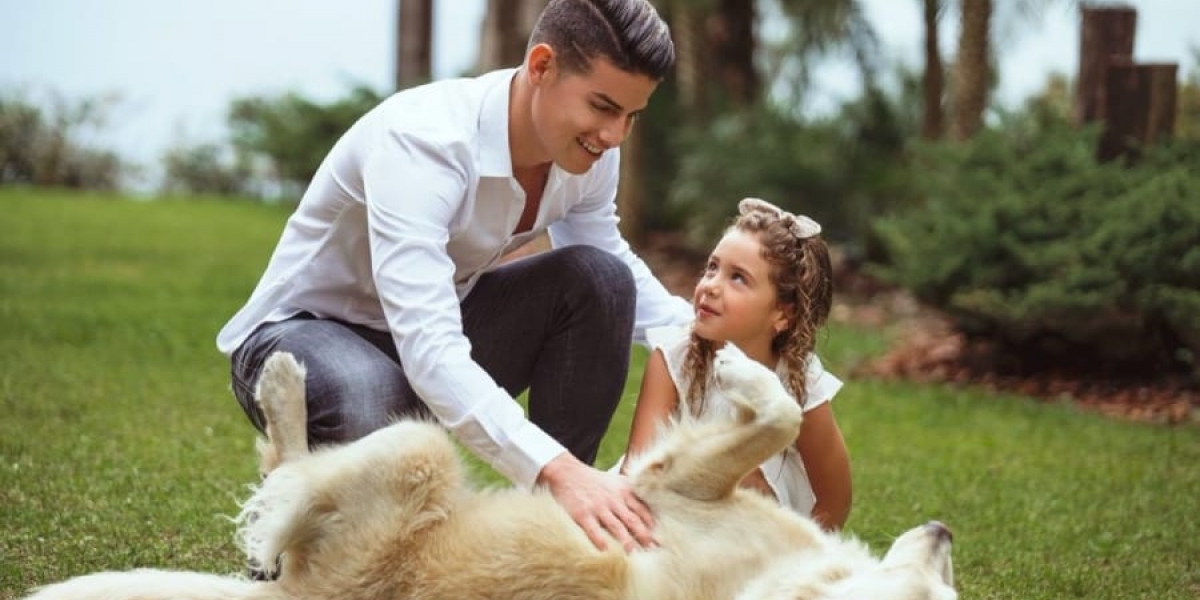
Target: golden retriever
x,y
391,517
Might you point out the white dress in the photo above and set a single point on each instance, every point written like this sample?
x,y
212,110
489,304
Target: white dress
x,y
784,472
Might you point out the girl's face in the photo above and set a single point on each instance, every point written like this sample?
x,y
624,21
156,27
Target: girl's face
x,y
735,300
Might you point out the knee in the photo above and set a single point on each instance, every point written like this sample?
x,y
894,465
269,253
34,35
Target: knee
x,y
598,273
351,401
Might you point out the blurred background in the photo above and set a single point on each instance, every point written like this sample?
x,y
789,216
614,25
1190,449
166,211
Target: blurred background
x,y
1023,169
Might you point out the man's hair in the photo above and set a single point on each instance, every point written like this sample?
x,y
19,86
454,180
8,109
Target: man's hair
x,y
627,33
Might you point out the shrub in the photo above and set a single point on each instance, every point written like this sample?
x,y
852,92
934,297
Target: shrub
x,y
294,133
203,169
841,171
40,146
1027,242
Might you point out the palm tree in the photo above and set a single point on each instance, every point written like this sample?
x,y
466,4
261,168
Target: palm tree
x,y
506,28
972,69
933,80
414,43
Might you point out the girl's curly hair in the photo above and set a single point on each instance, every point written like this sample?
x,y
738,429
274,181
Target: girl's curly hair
x,y
802,273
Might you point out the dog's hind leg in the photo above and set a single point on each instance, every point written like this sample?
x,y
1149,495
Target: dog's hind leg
x,y
280,393
317,509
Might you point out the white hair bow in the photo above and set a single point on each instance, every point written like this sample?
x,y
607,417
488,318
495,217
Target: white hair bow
x,y
801,226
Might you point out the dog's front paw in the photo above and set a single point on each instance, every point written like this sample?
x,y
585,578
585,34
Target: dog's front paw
x,y
741,375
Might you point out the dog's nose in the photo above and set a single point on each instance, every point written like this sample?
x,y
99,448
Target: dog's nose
x,y
939,529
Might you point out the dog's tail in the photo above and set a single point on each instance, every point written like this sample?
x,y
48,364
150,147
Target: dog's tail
x,y
280,394
153,584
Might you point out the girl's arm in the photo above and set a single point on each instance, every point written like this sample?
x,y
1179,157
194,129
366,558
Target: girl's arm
x,y
827,462
655,404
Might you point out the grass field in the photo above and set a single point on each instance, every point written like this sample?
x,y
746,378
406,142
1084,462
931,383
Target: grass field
x,y
121,446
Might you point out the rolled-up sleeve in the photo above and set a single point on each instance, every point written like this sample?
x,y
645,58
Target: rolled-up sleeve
x,y
414,190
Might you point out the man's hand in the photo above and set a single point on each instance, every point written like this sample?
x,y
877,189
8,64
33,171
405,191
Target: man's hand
x,y
599,502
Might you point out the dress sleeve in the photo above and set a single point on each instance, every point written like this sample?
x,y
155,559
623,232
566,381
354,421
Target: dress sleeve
x,y
673,342
820,385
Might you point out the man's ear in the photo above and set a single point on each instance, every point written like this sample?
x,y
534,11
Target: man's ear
x,y
540,62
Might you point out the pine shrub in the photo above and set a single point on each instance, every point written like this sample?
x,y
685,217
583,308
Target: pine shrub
x,y
1029,244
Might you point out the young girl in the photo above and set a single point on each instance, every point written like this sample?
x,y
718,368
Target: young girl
x,y
767,289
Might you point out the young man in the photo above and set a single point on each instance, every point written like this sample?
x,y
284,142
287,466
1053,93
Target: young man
x,y
385,282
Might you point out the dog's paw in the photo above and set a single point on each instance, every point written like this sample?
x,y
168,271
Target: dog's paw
x,y
743,377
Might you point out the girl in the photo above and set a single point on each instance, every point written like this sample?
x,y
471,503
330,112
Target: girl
x,y
767,289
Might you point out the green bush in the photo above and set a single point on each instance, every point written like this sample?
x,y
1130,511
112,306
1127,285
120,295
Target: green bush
x,y
1027,242
41,142
293,133
841,170
203,169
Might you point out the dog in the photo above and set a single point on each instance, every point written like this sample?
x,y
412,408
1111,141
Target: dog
x,y
392,517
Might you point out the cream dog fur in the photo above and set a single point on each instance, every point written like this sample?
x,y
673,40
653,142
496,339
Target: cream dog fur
x,y
391,517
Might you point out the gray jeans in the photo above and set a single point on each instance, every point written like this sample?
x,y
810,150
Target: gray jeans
x,y
559,324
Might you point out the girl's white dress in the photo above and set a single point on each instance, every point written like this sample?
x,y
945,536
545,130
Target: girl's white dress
x,y
784,472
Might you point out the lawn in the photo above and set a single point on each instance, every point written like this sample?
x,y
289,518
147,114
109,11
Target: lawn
x,y
121,446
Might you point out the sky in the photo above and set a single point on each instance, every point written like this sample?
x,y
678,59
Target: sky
x,y
174,65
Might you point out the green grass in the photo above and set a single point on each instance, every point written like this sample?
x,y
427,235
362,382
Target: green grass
x,y
121,446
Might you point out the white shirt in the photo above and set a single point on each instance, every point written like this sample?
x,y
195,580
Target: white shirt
x,y
409,208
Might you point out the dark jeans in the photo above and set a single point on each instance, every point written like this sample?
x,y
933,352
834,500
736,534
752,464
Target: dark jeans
x,y
559,324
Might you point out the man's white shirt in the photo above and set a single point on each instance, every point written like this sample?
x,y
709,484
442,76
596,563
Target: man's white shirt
x,y
410,207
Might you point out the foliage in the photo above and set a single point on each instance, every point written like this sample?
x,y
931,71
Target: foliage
x,y
1187,124
841,171
203,169
46,146
122,447
1025,240
294,133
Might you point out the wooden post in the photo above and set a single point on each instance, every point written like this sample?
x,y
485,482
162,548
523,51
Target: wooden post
x,y
1139,107
1106,33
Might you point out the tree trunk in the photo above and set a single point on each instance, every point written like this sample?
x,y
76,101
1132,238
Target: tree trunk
x,y
731,32
506,28
971,68
414,43
1105,35
630,192
1139,107
688,33
933,78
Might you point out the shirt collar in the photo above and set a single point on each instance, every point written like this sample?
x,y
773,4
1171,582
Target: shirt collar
x,y
495,159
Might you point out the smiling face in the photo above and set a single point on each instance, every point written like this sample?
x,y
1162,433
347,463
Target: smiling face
x,y
576,117
735,300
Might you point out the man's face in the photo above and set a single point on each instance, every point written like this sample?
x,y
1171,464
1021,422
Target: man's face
x,y
577,117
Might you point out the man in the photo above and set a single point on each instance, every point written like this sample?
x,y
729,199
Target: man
x,y
385,282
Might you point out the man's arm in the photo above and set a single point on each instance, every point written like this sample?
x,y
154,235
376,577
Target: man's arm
x,y
594,222
414,189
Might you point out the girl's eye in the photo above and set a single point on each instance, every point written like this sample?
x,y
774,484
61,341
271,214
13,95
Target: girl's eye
x,y
739,277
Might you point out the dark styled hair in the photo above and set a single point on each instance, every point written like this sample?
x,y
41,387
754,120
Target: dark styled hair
x,y
627,33
802,272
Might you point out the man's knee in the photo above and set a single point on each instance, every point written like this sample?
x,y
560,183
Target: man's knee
x,y
597,272
347,402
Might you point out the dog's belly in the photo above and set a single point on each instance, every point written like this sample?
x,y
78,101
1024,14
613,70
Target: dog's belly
x,y
509,544
711,549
